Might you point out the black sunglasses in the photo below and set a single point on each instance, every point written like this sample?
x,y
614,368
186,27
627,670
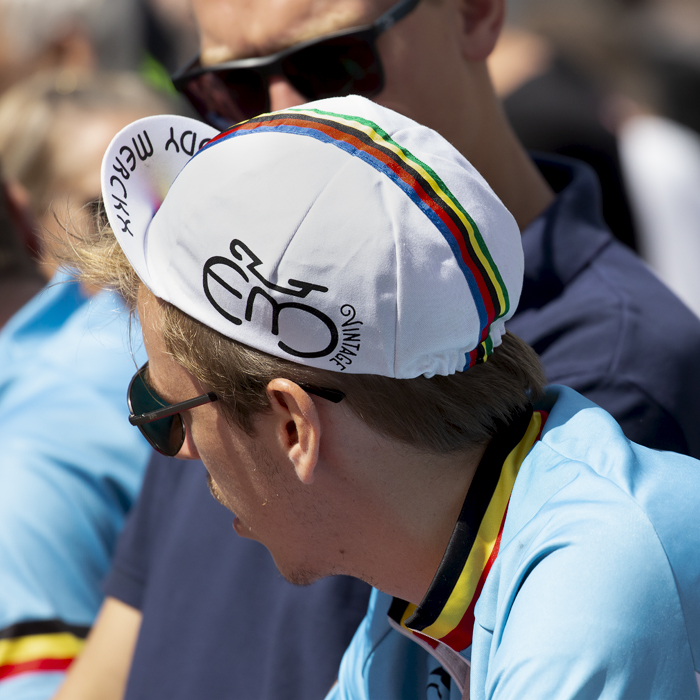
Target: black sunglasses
x,y
338,64
161,423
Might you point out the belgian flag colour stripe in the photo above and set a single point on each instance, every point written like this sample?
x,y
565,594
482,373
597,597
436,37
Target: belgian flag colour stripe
x,y
42,645
447,613
368,141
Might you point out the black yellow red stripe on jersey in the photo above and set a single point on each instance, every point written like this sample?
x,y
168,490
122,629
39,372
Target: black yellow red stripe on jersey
x,y
446,614
39,646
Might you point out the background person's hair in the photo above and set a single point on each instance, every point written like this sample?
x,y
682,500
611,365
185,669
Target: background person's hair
x,y
439,415
113,28
31,111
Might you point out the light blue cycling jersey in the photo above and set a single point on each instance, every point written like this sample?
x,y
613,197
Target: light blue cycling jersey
x,y
591,588
70,468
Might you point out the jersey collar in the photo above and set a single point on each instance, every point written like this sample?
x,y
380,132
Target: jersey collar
x,y
446,613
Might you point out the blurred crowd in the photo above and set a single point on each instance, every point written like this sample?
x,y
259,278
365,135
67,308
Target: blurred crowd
x,y
614,83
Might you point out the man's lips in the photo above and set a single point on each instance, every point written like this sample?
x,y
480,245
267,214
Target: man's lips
x,y
240,529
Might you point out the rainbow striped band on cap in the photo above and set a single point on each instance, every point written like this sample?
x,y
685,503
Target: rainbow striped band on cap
x,y
366,140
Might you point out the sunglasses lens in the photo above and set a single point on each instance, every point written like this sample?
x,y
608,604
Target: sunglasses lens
x,y
165,435
224,98
336,67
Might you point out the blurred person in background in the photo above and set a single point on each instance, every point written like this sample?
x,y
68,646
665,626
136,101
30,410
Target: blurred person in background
x,y
196,612
658,127
71,35
669,31
616,83
52,138
71,465
551,69
171,32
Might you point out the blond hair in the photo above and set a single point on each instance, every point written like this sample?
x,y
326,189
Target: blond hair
x,y
112,27
30,112
441,414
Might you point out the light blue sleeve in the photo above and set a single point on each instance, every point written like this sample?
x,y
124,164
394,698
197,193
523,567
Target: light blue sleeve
x,y
583,613
31,686
64,496
70,469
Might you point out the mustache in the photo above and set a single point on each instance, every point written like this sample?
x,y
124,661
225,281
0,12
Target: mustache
x,y
215,492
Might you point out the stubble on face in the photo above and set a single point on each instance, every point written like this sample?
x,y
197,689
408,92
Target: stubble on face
x,y
296,570
230,493
215,491
247,476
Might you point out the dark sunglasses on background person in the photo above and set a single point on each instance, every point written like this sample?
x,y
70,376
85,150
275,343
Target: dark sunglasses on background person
x,y
161,423
338,64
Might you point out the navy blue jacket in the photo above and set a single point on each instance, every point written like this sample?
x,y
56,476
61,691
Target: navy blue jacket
x,y
603,324
220,622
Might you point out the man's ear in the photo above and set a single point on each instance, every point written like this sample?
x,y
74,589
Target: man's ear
x,y
297,426
480,25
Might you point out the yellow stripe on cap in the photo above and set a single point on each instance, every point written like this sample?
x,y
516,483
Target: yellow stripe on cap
x,y
415,164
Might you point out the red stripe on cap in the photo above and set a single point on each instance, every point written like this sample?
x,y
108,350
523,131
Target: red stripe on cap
x,y
408,178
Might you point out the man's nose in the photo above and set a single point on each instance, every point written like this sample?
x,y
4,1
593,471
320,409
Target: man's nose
x,y
283,94
188,449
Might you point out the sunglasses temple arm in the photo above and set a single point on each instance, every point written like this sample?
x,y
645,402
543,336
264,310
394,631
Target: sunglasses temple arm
x,y
394,14
333,395
172,410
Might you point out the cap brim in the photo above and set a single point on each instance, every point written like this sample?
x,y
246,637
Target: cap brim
x,y
138,168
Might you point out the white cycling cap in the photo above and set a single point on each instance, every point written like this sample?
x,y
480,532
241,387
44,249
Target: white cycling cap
x,y
338,234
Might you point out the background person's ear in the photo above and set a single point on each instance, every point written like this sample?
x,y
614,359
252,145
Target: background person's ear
x,y
480,23
297,426
72,49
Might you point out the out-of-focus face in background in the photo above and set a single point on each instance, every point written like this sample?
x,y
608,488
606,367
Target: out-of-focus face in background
x,y
421,54
177,41
79,141
54,130
40,35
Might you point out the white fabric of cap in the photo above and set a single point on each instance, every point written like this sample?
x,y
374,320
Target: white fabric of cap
x,y
317,235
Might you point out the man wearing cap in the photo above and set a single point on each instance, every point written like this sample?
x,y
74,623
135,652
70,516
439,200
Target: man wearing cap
x,y
596,316
588,306
512,534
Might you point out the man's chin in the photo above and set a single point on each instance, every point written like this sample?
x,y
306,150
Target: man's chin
x,y
295,574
